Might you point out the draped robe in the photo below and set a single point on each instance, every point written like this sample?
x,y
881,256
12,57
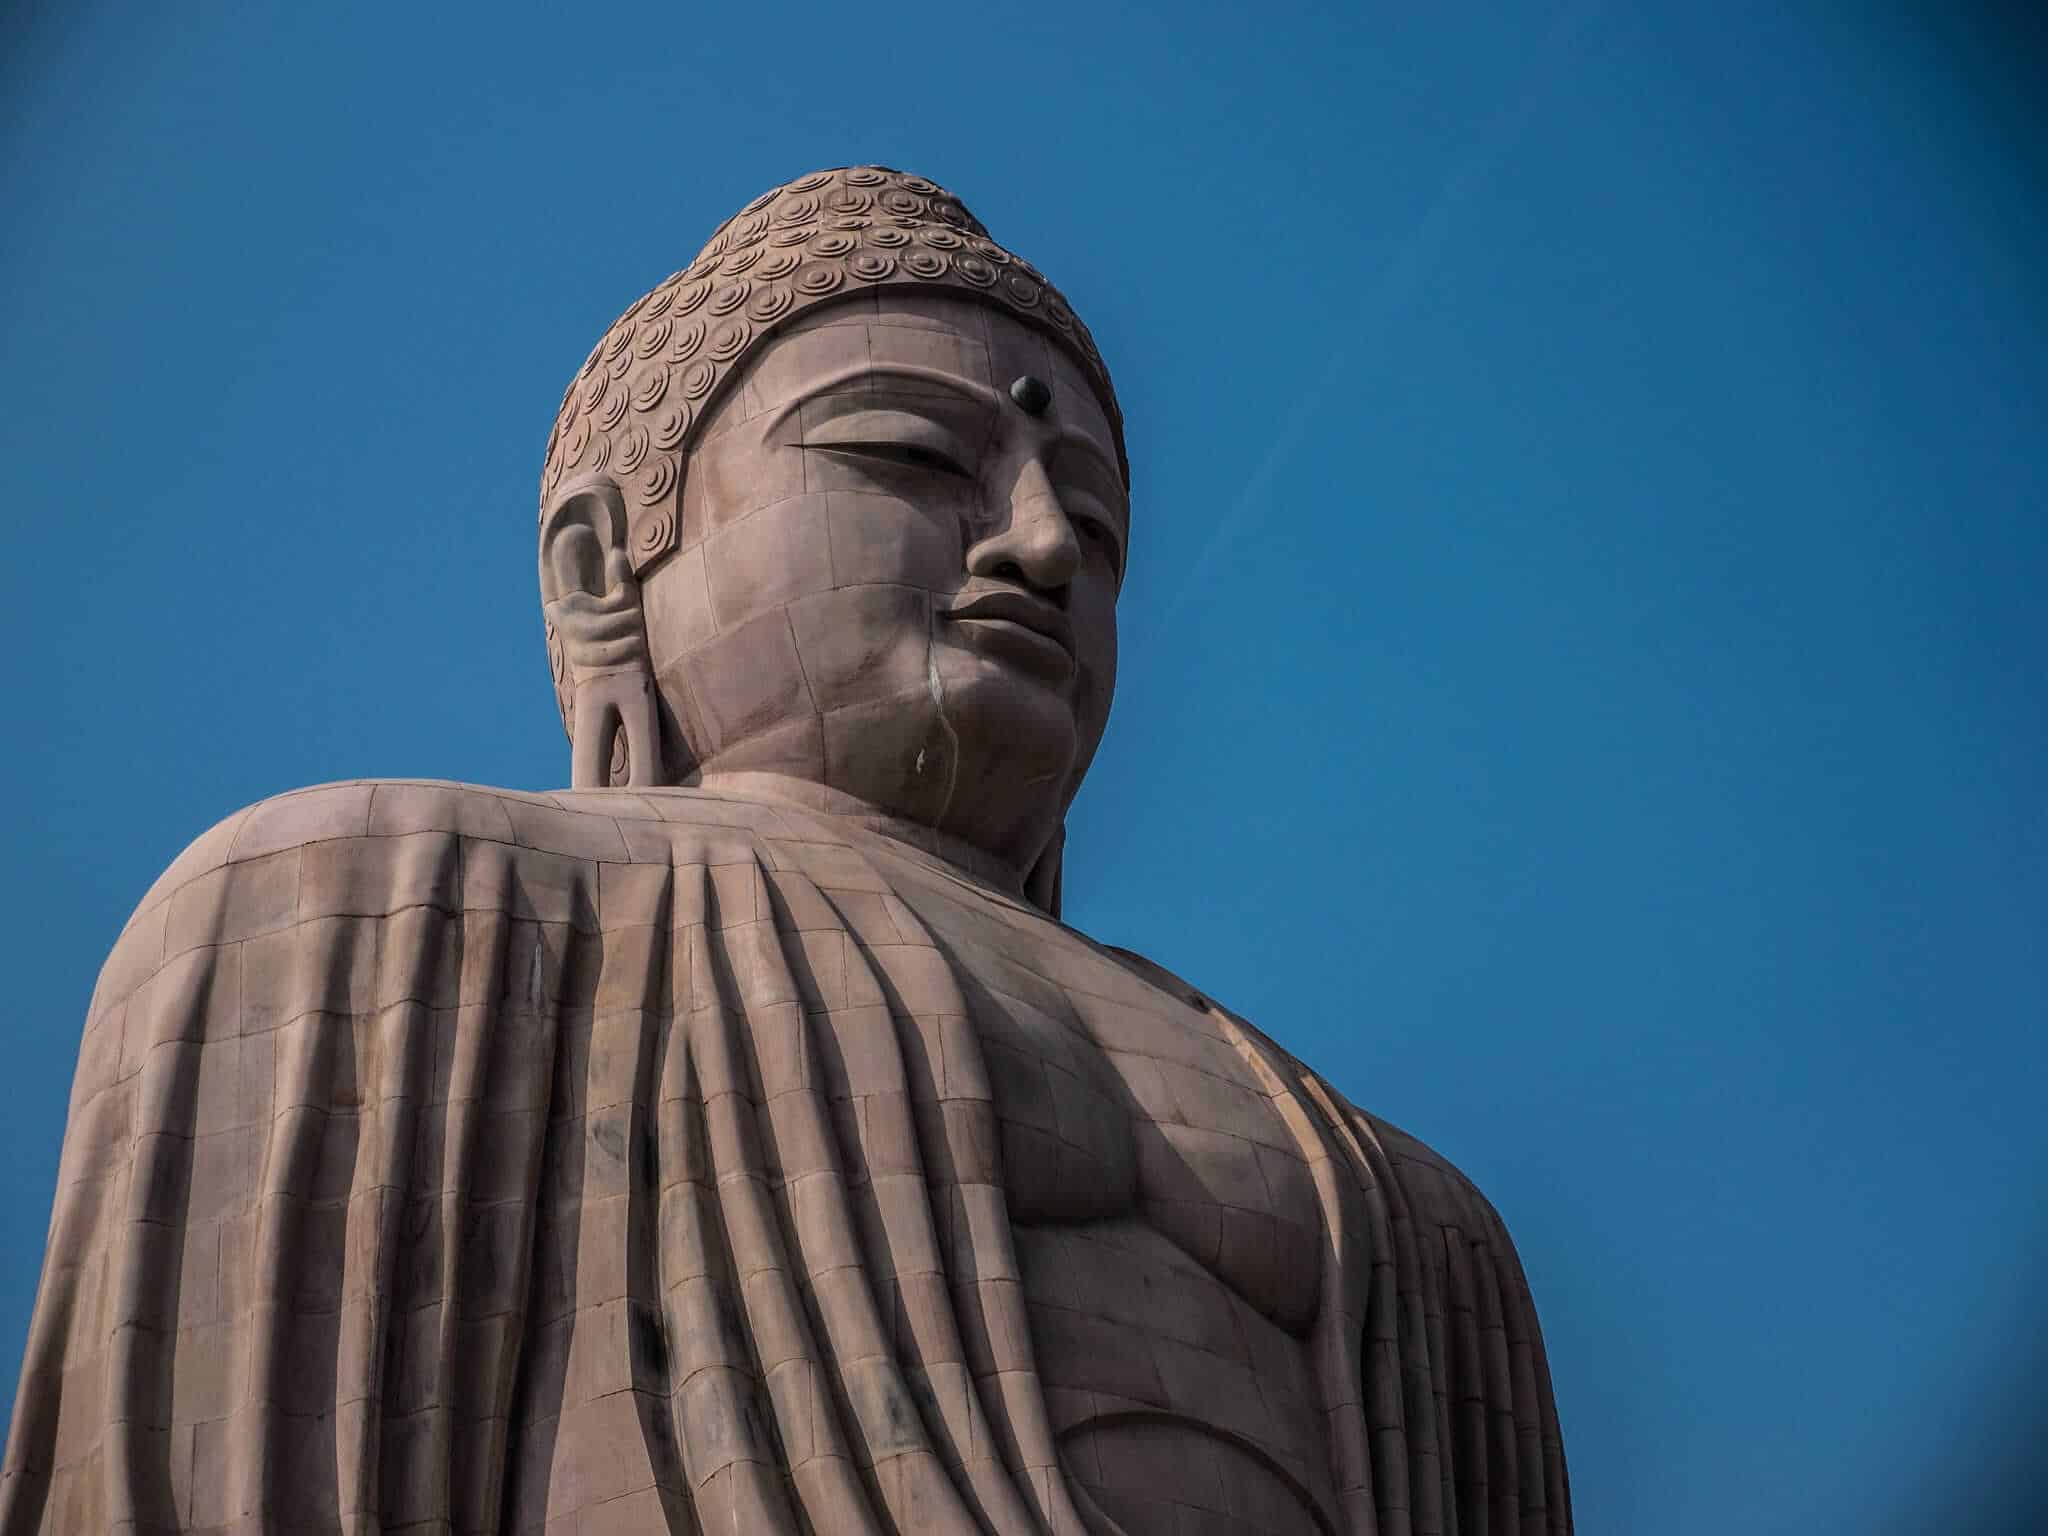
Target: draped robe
x,y
454,1160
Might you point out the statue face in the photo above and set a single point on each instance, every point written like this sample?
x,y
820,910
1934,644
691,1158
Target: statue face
x,y
895,579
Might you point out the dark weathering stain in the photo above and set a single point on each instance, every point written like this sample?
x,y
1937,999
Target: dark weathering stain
x,y
650,1346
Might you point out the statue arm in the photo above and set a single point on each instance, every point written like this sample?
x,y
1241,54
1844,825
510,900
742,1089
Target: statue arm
x,y
94,1315
1496,1406
263,937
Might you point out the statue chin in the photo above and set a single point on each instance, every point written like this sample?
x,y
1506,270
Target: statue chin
x,y
985,755
1017,749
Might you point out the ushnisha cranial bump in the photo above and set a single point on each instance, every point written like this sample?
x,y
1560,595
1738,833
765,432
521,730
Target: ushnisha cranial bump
x,y
638,396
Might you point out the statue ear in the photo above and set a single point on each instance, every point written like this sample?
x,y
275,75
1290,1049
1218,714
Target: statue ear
x,y
591,598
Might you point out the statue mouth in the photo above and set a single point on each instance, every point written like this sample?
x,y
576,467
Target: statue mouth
x,y
1019,626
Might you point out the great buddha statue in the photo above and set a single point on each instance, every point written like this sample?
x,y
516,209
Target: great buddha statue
x,y
737,1141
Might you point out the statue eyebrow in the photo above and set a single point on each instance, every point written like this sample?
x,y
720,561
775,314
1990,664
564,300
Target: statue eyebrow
x,y
1073,439
1068,438
980,394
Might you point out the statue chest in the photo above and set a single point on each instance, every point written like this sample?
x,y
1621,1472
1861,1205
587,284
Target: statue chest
x,y
1168,1232
1118,1099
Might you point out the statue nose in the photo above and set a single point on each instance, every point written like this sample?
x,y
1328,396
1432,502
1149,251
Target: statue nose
x,y
1036,545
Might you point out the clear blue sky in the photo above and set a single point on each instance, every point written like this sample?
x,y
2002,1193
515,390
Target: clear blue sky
x,y
1584,653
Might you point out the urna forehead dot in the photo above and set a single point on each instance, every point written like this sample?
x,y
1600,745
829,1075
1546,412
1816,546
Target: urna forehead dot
x,y
1032,393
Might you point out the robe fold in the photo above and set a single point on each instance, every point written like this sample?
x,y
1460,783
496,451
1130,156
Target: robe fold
x,y
455,1160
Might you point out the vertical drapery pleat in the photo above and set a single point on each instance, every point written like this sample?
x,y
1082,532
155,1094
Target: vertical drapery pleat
x,y
486,1159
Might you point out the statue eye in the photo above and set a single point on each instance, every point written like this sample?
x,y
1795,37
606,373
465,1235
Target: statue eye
x,y
1101,537
914,455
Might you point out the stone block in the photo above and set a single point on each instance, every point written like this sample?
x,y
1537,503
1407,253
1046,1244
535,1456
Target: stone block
x,y
304,816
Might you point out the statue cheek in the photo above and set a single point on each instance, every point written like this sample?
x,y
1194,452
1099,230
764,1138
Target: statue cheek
x,y
879,538
768,560
1092,691
1095,643
863,644
1094,688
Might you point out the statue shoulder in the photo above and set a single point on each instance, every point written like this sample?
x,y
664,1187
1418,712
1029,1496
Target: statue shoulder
x,y
565,821
596,825
243,845
269,826
1430,1178
207,869
1437,1189
366,847
1439,1193
348,808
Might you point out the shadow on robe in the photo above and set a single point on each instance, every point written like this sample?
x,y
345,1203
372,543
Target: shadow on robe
x,y
455,1160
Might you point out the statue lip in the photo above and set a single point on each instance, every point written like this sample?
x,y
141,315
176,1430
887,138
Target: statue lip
x,y
1020,609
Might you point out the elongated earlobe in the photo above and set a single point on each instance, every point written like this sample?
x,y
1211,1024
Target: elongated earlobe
x,y
591,598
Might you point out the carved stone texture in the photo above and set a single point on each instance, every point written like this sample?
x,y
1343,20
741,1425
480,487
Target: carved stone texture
x,y
751,1147
819,238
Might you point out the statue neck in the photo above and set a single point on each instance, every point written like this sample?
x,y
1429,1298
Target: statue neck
x,y
807,795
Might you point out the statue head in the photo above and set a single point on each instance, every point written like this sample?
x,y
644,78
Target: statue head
x,y
844,501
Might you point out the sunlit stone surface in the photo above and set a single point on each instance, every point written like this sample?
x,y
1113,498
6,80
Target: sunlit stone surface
x,y
738,1141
